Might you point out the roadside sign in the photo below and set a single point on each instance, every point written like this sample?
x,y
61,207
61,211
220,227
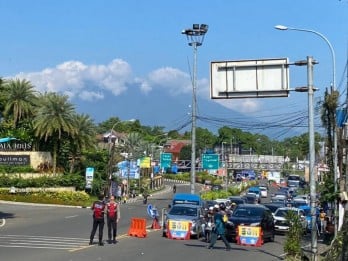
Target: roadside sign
x,y
210,161
248,235
89,177
166,160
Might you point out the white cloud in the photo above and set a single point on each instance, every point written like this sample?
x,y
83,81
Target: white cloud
x,y
174,80
90,82
241,105
84,81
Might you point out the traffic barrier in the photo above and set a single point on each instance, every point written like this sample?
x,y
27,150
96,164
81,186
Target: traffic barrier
x,y
137,227
249,236
155,224
182,234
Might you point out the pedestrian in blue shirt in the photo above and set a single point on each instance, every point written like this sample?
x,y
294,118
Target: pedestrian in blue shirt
x,y
218,230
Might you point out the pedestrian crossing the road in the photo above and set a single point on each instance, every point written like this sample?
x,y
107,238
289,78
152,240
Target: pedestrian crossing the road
x,y
43,242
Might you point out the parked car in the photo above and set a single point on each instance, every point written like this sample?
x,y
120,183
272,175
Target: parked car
x,y
263,191
273,206
279,200
236,199
216,187
256,191
186,212
282,225
250,198
251,215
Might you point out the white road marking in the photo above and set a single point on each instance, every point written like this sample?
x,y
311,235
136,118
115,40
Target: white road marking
x,y
72,216
45,242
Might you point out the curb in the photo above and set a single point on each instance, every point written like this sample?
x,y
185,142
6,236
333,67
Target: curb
x,y
177,181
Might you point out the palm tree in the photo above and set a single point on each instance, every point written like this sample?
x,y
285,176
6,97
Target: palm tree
x,y
82,139
20,100
54,117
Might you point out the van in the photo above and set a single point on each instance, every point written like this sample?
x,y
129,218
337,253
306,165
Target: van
x,y
186,198
256,191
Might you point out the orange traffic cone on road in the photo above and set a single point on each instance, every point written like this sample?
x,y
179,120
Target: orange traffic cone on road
x,y
155,224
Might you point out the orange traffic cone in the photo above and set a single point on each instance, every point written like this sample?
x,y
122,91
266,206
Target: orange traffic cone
x,y
155,224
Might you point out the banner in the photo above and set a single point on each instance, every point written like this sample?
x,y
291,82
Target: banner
x,y
145,162
249,235
179,229
89,177
128,169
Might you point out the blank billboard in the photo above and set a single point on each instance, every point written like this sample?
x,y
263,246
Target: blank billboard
x,y
249,79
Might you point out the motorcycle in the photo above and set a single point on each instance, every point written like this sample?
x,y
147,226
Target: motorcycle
x,y
145,199
208,230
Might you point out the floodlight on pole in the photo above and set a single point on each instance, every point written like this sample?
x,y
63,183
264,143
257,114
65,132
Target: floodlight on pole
x,y
195,38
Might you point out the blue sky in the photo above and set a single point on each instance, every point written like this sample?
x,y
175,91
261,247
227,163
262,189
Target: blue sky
x,y
128,59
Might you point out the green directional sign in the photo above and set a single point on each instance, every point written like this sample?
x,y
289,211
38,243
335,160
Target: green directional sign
x,y
166,160
210,161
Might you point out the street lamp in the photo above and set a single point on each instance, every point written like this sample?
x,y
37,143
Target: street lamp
x,y
334,134
195,38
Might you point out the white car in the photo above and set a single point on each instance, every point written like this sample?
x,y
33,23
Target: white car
x,y
282,225
264,192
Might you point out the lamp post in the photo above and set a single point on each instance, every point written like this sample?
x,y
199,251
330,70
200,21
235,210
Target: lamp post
x,y
310,89
334,134
195,38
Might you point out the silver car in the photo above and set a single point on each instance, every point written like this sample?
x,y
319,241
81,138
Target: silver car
x,y
186,212
282,225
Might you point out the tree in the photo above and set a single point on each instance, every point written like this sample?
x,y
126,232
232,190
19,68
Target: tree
x,y
82,139
20,100
54,117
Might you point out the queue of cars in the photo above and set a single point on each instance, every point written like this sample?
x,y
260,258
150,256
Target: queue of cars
x,y
246,211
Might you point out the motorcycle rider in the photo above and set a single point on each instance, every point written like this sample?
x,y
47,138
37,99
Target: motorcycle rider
x,y
207,225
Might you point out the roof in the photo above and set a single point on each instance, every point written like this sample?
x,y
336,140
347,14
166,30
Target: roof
x,y
175,146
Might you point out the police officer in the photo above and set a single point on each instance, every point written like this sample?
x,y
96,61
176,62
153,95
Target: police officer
x,y
112,218
98,208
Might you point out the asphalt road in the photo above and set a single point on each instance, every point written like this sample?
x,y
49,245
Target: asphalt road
x,y
52,233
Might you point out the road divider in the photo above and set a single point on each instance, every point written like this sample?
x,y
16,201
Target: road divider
x,y
137,227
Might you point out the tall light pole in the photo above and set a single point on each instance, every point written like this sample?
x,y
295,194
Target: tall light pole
x,y
310,89
195,38
334,134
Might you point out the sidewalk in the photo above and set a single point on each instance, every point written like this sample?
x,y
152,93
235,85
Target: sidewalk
x,y
166,189
322,246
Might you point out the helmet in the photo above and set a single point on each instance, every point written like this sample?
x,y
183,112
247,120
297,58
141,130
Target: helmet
x,y
222,206
216,206
211,208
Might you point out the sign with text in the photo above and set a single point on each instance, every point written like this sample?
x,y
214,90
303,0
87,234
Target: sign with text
x,y
179,229
210,161
166,160
15,160
89,177
249,235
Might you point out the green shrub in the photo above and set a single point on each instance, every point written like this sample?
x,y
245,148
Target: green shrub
x,y
74,198
292,244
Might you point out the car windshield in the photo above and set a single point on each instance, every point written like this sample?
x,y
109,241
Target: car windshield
x,y
247,212
283,212
183,211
